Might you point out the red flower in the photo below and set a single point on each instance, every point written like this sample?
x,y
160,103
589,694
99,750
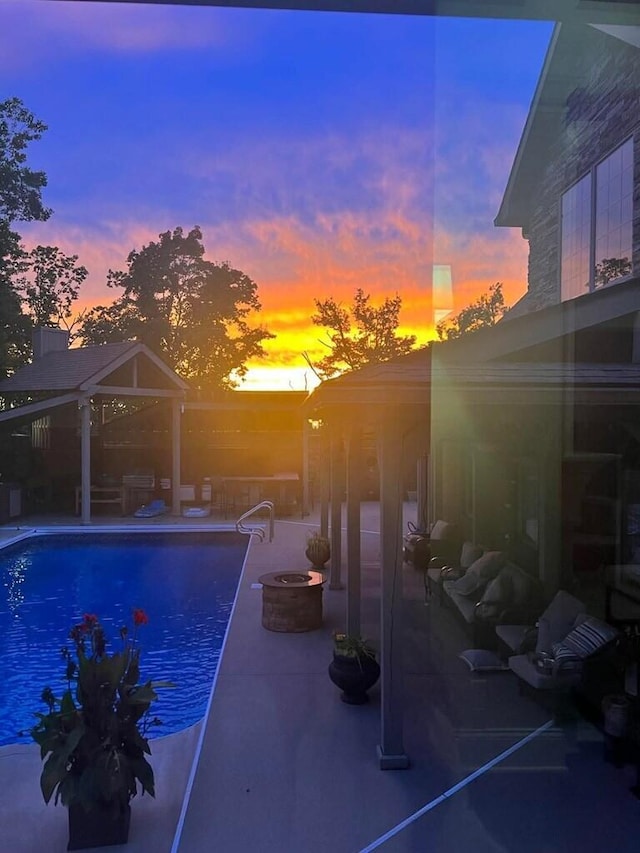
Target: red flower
x,y
140,617
90,620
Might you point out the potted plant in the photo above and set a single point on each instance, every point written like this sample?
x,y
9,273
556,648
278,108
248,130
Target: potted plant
x,y
93,738
354,668
318,550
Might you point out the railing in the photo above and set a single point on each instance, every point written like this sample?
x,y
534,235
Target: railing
x,y
257,531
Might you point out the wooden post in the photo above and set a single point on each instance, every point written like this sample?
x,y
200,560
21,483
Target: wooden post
x,y
305,509
391,752
85,458
336,462
323,475
354,490
176,474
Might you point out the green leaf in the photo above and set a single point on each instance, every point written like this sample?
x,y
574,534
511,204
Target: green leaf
x,y
52,774
144,772
145,694
67,705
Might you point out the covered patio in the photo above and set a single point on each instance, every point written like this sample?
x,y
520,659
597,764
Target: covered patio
x,y
392,401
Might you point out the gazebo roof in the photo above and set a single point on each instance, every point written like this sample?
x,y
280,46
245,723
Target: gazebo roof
x,y
83,368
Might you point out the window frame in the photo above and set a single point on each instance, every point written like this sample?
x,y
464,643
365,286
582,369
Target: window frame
x,y
592,173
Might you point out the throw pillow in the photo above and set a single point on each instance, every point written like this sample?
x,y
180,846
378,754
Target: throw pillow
x,y
558,619
589,636
566,659
470,553
441,530
487,566
499,590
522,584
483,660
468,585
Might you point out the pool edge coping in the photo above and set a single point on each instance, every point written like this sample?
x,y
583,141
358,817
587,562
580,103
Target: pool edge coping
x,y
177,837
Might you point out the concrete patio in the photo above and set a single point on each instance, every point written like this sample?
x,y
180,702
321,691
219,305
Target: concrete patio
x,y
285,766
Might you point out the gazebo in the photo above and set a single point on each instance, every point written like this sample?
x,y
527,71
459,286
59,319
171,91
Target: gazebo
x,y
59,376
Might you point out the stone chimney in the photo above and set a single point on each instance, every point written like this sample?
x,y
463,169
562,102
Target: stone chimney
x,y
45,339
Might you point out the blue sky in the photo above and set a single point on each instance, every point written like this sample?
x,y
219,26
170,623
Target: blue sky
x,y
319,152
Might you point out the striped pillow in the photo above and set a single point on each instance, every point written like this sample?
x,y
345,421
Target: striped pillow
x,y
589,636
565,658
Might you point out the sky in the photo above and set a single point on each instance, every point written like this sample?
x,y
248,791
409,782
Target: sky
x,y
318,152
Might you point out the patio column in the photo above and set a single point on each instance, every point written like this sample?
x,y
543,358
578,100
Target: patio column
x,y
335,581
305,467
323,477
354,491
85,459
176,475
391,752
422,485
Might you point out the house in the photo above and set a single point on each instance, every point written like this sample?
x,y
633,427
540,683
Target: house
x,y
534,444
526,433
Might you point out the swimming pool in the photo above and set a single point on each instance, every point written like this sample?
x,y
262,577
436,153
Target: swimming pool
x,y
185,582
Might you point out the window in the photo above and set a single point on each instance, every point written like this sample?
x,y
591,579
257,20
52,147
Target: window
x,y
576,237
597,215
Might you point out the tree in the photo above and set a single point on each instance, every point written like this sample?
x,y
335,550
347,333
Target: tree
x,y
20,186
485,311
360,334
50,283
190,311
611,268
15,328
20,200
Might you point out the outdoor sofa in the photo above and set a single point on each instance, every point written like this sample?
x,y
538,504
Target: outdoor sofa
x,y
491,591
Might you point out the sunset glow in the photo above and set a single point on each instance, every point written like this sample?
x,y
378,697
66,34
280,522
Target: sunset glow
x,y
313,167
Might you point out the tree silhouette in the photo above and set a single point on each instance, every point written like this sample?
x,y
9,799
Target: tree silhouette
x,y
359,335
485,311
190,311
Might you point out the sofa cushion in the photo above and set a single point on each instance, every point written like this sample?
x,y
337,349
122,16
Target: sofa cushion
x,y
514,636
441,530
466,605
470,553
558,619
499,590
488,565
483,660
525,667
470,584
521,584
589,636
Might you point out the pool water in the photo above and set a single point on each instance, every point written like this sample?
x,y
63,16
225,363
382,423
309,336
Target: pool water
x,y
185,582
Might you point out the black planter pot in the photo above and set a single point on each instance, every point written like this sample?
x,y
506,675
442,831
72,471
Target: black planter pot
x,y
354,676
100,826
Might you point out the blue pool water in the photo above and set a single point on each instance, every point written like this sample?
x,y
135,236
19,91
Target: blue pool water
x,y
185,582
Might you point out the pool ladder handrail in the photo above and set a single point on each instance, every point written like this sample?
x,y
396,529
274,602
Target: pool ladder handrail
x,y
253,530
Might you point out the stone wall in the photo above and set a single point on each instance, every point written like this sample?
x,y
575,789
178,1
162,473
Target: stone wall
x,y
598,116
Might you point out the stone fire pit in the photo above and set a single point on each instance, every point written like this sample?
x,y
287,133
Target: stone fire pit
x,y
292,601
